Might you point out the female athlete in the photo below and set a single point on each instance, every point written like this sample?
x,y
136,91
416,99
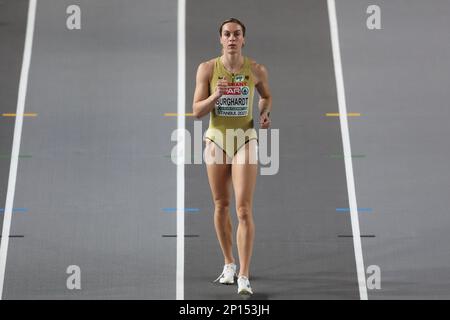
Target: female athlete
x,y
224,89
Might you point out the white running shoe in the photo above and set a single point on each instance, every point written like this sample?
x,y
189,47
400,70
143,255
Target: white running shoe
x,y
244,286
228,274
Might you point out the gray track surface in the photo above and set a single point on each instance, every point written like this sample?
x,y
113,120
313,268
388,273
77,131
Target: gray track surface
x,y
398,79
297,253
13,16
98,179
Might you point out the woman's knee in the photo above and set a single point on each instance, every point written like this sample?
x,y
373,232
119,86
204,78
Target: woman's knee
x,y
244,212
222,205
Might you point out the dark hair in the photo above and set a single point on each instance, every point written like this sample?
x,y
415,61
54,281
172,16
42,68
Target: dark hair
x,y
235,21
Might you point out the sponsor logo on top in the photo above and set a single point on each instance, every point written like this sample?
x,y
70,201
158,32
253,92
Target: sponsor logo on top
x,y
234,91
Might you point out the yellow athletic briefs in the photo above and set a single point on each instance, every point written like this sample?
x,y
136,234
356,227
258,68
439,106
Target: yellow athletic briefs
x,y
231,120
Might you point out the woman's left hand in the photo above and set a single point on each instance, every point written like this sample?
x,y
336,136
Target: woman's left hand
x,y
264,120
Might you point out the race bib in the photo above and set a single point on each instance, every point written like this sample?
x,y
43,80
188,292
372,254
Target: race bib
x,y
235,101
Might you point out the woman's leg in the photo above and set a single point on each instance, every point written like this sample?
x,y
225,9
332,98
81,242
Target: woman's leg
x,y
244,178
219,176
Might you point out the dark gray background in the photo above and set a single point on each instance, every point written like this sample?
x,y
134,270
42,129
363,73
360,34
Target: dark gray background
x,y
398,79
99,175
297,253
98,179
13,17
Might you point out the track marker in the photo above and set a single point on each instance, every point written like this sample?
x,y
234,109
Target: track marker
x,y
15,114
181,126
351,236
185,209
15,209
354,114
359,209
175,236
341,156
340,89
177,114
23,83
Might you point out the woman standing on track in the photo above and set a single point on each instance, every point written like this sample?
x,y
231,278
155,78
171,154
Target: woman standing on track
x,y
224,89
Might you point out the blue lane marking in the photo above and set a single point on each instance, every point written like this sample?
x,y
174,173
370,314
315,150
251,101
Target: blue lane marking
x,y
185,209
359,209
15,209
174,236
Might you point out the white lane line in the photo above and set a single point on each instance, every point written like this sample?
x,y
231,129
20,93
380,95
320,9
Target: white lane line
x,y
347,150
181,108
16,141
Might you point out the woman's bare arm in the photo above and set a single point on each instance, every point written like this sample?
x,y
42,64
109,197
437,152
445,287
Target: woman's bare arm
x,y
203,102
265,100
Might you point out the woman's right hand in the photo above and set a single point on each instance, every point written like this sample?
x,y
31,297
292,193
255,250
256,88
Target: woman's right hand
x,y
221,88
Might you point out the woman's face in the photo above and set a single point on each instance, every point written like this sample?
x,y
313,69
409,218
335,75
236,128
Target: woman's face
x,y
232,38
